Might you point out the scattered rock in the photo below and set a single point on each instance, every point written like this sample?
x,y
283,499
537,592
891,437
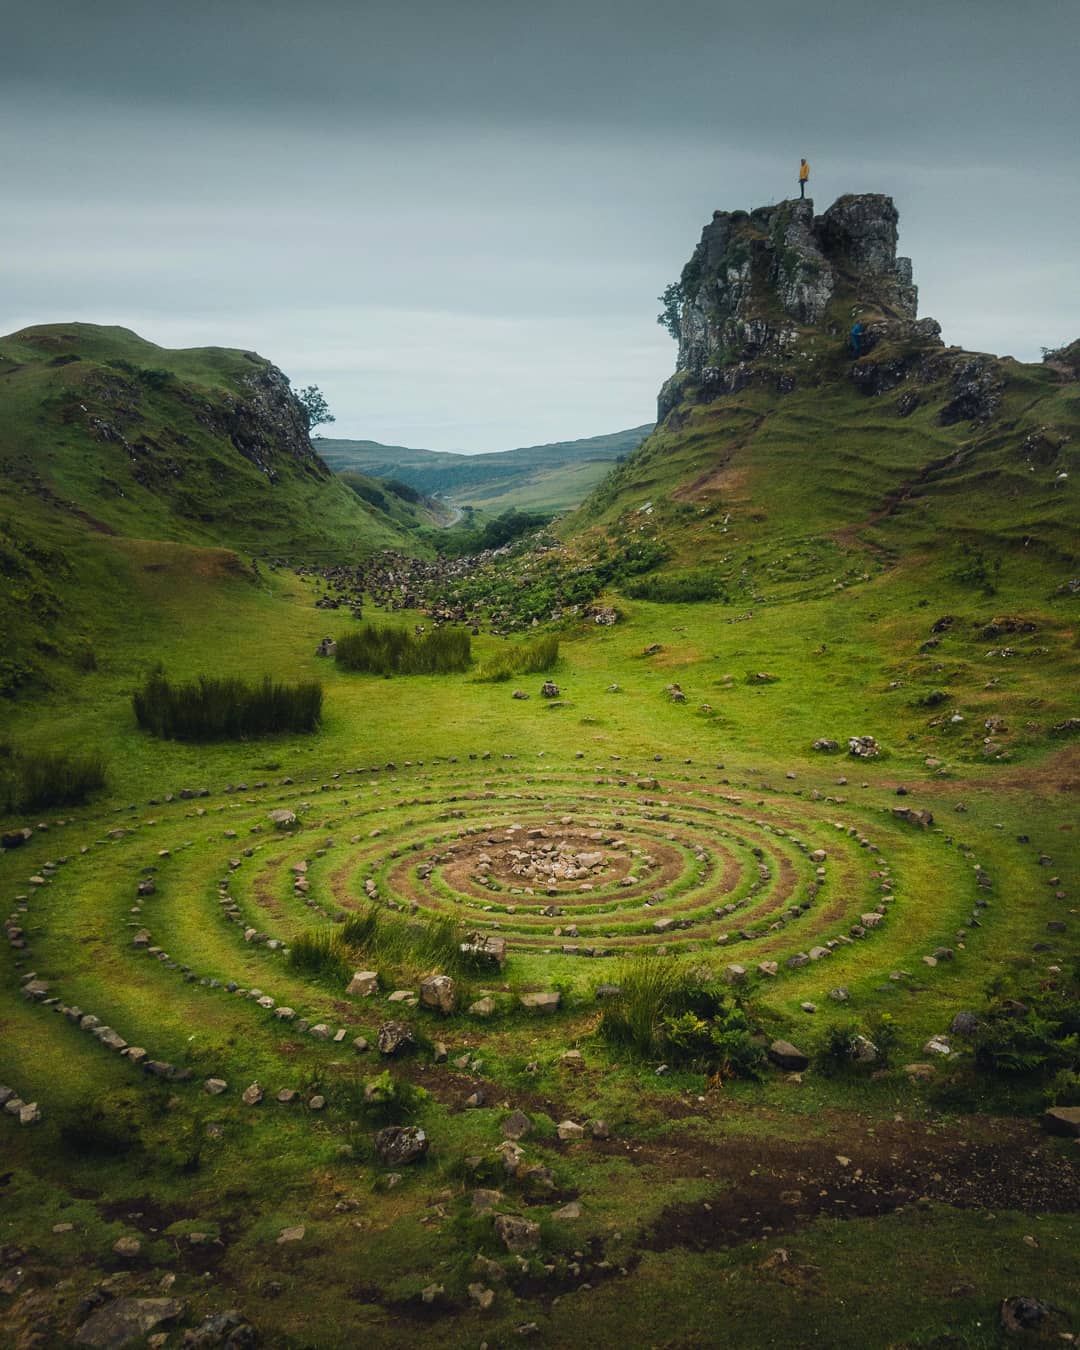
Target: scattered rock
x,y
363,984
516,1125
1023,1314
541,1003
397,1145
1062,1120
394,1037
481,1296
127,1319
517,1234
786,1056
439,993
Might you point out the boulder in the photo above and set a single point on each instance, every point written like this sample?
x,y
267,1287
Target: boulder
x,y
922,819
483,1007
516,1125
363,984
785,1056
541,1003
439,993
863,747
964,1024
397,1145
485,950
569,1130
1063,1120
517,1234
229,1330
282,819
126,1320
393,1038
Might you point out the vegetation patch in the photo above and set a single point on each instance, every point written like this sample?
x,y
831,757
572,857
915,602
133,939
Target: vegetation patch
x,y
664,1010
531,658
32,782
211,708
680,588
383,649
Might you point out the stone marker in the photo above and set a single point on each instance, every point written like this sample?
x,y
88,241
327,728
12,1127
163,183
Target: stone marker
x,y
439,993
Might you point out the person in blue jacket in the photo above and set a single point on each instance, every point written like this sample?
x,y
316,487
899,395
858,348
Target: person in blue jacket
x,y
856,339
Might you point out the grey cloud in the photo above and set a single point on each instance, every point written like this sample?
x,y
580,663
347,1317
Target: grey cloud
x,y
456,217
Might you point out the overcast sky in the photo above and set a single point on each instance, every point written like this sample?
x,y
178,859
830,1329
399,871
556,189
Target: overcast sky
x,y
455,216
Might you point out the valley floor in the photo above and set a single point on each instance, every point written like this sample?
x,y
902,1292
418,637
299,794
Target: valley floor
x,y
898,1203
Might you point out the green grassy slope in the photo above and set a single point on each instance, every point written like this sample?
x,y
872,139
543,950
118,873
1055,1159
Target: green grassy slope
x,y
877,1207
106,438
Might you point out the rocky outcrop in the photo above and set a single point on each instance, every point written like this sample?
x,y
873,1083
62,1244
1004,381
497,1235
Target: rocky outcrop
x,y
763,287
265,422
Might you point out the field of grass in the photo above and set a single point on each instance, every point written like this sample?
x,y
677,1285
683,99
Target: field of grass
x,y
413,769
674,782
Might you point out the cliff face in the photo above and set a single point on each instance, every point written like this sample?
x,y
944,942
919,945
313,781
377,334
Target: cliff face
x,y
773,285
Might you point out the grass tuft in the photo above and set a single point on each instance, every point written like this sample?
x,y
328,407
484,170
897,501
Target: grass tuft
x,y
209,708
531,658
382,649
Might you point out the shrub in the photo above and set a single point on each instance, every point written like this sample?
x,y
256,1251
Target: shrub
x,y
32,782
672,1012
415,945
382,649
531,658
1044,1040
321,954
210,708
680,588
387,1100
835,1055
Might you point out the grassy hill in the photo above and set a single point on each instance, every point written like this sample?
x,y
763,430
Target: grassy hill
x,y
552,477
118,456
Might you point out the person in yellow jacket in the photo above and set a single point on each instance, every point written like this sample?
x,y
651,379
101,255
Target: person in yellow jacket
x,y
804,174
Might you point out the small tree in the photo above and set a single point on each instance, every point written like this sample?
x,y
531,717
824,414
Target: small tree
x,y
315,407
672,300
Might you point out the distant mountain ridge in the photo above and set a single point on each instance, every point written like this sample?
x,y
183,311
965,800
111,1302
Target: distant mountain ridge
x,y
554,477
